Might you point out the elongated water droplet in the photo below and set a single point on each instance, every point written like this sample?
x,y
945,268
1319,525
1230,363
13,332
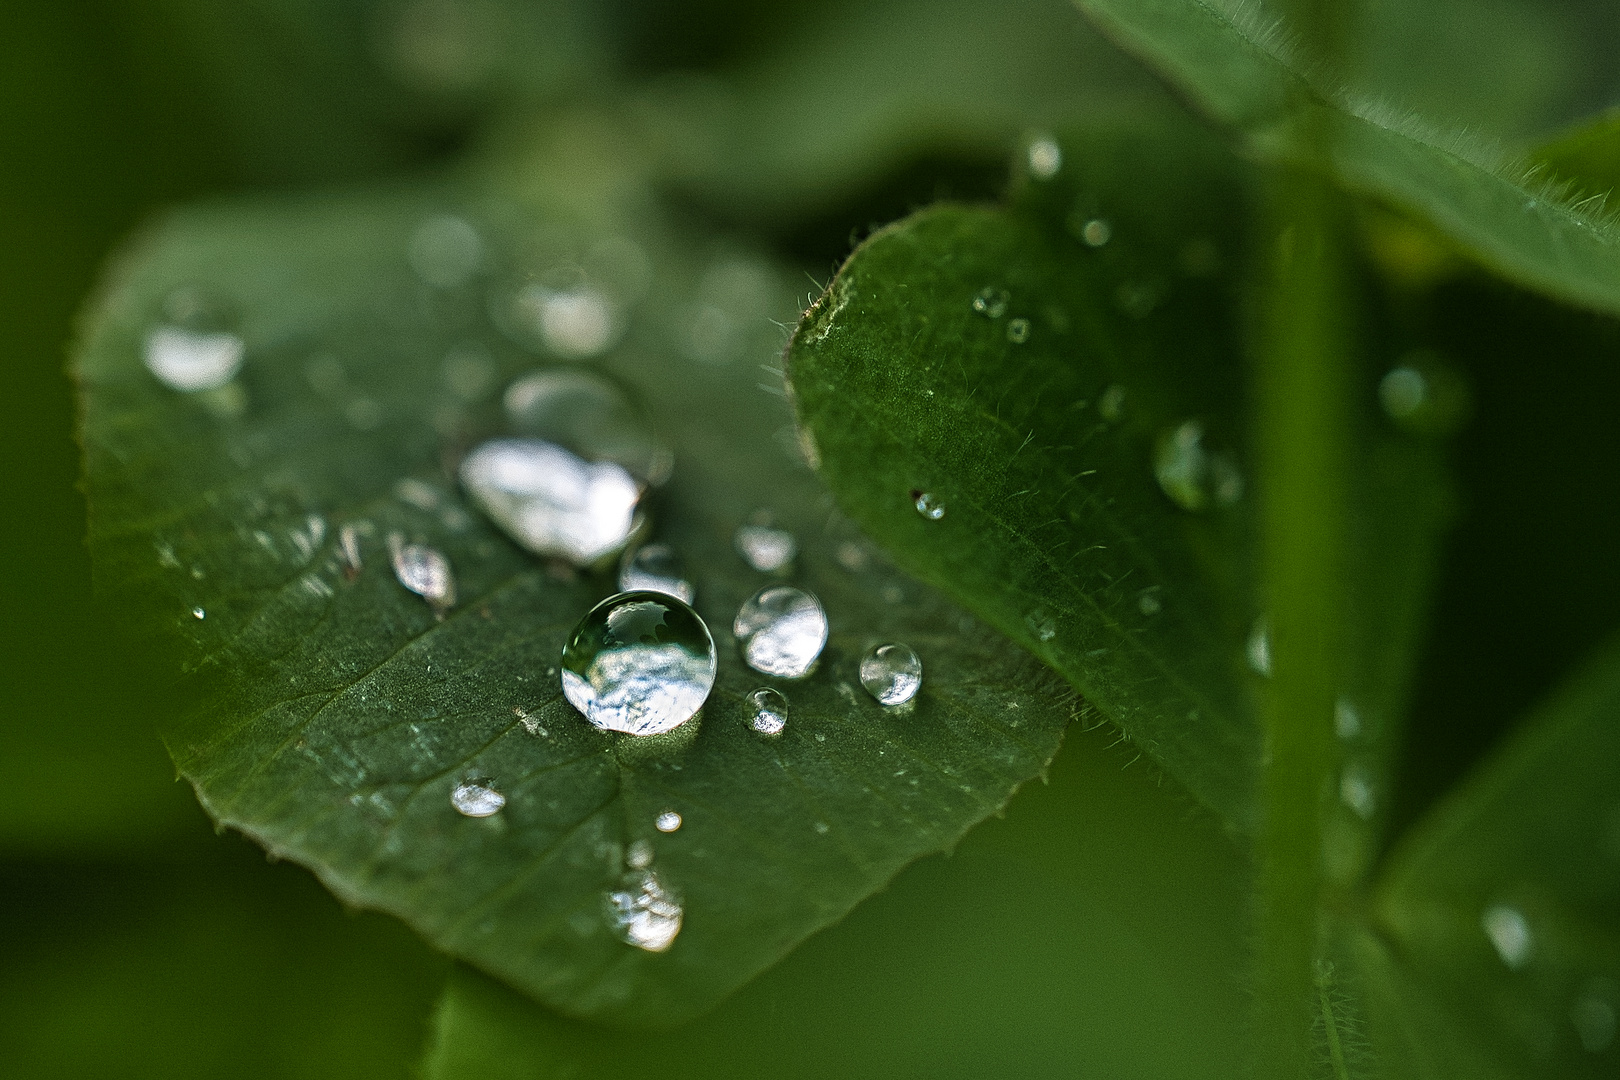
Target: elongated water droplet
x,y
189,361
477,798
928,505
445,251
645,913
640,662
782,631
766,549
1356,790
1045,158
423,570
1259,647
669,821
550,501
891,673
991,302
767,711
1509,932
1096,232
654,568
1018,331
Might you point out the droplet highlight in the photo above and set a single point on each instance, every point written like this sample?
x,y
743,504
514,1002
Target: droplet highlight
x,y
1096,232
891,673
550,501
641,663
991,302
424,571
477,798
669,821
767,711
190,360
1509,932
928,505
655,568
766,549
1045,158
782,631
646,913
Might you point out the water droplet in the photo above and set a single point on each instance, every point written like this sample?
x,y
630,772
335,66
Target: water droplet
x,y
1111,404
669,821
1346,721
1259,647
1045,158
640,662
1096,232
1018,331
550,501
1403,392
1041,624
645,914
190,360
767,711
654,568
991,302
423,570
782,631
590,416
1510,932
1148,603
639,856
1356,791
445,251
575,323
1594,1014
891,673
477,798
198,613
928,505
822,828
1190,475
766,549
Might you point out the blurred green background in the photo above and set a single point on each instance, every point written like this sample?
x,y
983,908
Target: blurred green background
x,y
140,943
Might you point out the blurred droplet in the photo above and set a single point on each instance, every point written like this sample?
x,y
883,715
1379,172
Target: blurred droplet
x,y
641,662
1096,232
654,568
1111,405
550,501
1191,476
1018,331
782,631
190,361
928,505
1258,647
766,549
991,302
1509,932
477,798
645,913
585,413
424,571
669,821
445,251
1045,158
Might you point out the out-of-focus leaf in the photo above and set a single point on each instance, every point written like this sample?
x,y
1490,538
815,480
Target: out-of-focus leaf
x,y
1236,62
1066,377
1500,912
1093,933
333,713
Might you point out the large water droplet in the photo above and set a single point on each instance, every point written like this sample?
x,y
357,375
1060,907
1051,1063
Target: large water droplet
x,y
1510,932
928,505
891,673
646,913
1192,477
782,631
445,251
766,549
654,568
991,302
188,360
1045,158
588,415
669,821
641,663
550,501
423,570
767,711
477,798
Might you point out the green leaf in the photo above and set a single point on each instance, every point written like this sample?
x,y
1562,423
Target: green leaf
x,y
1500,909
332,713
1093,932
1090,442
1235,63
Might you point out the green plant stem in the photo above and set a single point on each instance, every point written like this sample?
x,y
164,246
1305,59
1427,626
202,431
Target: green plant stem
x,y
1302,393
1335,1047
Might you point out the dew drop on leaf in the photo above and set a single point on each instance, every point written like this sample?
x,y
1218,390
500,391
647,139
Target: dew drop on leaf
x,y
645,913
1018,331
1045,158
991,302
550,501
1148,603
477,798
669,821
654,568
1258,648
189,361
639,856
928,505
1096,232
891,673
640,662
423,570
767,711
198,613
766,549
782,631
575,323
1509,932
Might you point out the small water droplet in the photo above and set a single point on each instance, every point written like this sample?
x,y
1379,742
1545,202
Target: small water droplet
x,y
991,302
782,631
1594,1013
1148,603
575,323
654,568
1111,404
1191,476
1096,232
822,828
1356,790
669,821
1510,932
423,570
1346,720
1258,648
645,913
767,711
891,673
1045,158
1018,331
198,613
550,501
445,251
766,549
928,505
190,360
639,662
477,798
639,856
